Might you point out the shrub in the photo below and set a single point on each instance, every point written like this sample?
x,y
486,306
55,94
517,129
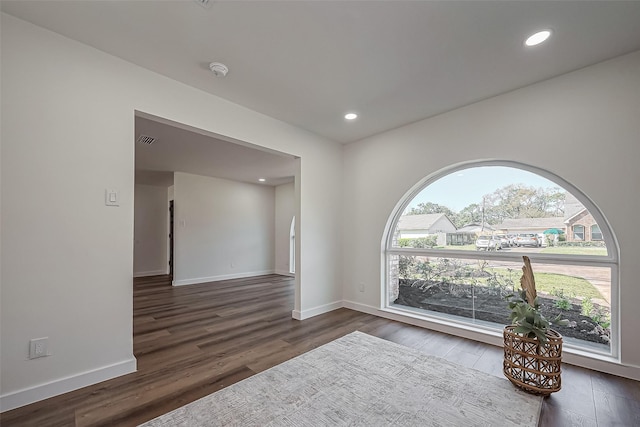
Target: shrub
x,y
418,242
587,307
405,265
563,302
593,244
601,317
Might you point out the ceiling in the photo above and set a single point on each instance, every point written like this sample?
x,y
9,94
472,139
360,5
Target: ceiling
x,y
310,62
182,149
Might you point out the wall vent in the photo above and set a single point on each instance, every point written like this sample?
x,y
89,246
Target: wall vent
x,y
144,139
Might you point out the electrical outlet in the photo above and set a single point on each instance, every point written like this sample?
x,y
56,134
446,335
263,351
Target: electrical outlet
x,y
38,347
361,287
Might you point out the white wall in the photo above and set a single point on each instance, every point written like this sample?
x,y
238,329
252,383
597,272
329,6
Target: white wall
x,y
285,211
150,231
583,126
67,260
223,229
320,190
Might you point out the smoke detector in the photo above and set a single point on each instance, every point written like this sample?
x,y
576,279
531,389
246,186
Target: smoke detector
x,y
204,3
220,70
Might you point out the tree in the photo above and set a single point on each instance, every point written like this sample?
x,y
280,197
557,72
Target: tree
x,y
468,215
511,201
431,208
521,201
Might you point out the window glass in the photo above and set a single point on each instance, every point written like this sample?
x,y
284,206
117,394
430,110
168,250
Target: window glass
x,y
517,209
455,251
596,234
475,290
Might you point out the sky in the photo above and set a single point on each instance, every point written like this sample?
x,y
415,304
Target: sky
x,y
462,188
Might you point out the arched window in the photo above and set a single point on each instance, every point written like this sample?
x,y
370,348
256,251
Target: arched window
x,y
455,244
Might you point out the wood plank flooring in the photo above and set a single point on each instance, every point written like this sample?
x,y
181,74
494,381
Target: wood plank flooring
x,y
193,340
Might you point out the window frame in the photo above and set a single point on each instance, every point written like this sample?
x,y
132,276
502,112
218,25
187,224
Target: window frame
x,y
611,260
575,233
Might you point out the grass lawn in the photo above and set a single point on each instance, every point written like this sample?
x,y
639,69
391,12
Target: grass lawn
x,y
571,286
550,283
574,250
563,250
471,247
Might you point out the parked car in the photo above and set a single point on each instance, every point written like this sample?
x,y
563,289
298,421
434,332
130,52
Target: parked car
x,y
488,243
504,240
542,238
528,239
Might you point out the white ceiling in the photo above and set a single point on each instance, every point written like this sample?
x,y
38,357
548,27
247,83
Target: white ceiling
x,y
309,62
178,148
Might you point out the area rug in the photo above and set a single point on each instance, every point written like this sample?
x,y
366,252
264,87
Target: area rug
x,y
360,380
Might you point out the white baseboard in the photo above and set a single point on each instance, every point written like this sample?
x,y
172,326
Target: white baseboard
x,y
284,273
321,309
461,330
577,358
569,355
29,395
197,280
150,273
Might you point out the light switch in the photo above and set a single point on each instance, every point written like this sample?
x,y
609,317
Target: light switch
x,y
111,198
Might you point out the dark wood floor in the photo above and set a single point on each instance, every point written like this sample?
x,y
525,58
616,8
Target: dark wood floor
x,y
193,340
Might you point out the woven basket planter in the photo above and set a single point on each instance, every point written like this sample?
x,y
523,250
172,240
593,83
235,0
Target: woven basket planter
x,y
530,365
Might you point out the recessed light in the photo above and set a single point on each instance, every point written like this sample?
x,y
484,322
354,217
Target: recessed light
x,y
261,179
537,38
351,116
